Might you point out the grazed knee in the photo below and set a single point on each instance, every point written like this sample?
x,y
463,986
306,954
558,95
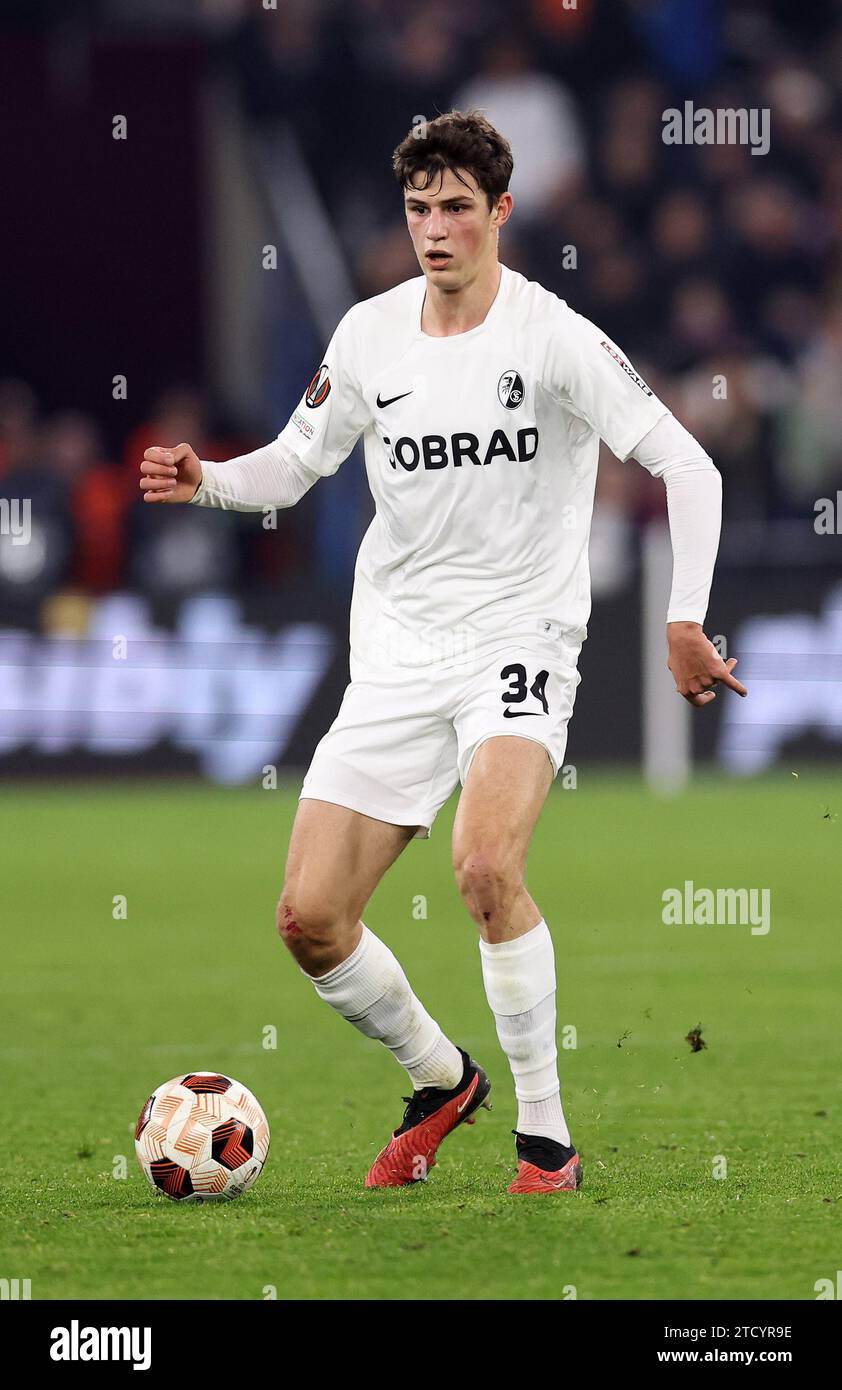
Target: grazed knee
x,y
300,916
488,880
315,931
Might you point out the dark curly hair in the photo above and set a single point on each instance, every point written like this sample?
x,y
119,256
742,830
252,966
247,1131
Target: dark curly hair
x,y
456,140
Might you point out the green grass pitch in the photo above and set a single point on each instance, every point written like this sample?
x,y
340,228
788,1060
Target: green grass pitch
x,y
100,1011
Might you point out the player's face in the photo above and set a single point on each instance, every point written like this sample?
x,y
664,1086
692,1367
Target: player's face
x,y
452,227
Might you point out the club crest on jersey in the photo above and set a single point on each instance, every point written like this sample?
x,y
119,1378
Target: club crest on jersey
x,y
510,390
319,389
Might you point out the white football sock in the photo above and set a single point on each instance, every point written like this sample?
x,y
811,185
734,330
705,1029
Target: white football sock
x,y
371,990
519,978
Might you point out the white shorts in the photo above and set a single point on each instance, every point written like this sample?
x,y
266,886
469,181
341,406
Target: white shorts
x,y
404,738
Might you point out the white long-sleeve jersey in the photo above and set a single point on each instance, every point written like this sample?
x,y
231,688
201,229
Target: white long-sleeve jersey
x,y
481,452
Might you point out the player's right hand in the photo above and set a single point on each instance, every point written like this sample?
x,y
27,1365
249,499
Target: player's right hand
x,y
170,475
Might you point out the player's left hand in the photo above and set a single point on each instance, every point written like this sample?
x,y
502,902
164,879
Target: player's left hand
x,y
696,664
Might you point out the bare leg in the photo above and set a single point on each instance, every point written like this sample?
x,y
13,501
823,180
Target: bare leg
x,y
506,787
504,791
336,859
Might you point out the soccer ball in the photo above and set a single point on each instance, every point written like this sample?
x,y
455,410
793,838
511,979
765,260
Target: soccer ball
x,y
201,1137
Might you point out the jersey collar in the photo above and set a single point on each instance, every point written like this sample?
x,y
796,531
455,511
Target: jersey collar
x,y
502,289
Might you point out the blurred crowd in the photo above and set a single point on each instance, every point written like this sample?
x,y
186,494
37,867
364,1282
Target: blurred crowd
x,y
90,528
717,270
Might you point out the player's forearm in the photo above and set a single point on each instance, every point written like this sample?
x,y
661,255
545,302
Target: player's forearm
x,y
268,477
694,505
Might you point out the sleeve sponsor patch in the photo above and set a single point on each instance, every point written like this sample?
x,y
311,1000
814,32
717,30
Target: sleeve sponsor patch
x,y
303,426
630,372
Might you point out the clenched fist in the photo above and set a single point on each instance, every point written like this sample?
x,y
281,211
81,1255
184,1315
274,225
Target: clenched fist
x,y
170,475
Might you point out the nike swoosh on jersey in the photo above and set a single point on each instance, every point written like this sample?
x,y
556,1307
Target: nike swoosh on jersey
x,y
522,713
392,399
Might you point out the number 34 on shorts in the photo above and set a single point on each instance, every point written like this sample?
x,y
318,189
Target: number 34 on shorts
x,y
521,693
404,738
518,692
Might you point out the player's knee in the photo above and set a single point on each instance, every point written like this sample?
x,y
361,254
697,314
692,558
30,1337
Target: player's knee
x,y
304,922
488,879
